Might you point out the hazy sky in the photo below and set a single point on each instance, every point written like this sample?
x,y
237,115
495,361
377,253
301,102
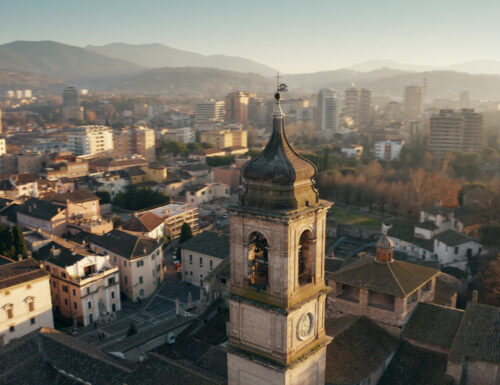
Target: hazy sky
x,y
293,36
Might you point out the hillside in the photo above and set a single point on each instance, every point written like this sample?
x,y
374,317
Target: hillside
x,y
61,61
11,80
157,55
192,81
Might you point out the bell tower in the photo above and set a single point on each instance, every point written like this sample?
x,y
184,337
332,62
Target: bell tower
x,y
277,290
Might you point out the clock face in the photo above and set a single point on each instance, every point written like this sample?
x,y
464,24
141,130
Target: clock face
x,y
304,327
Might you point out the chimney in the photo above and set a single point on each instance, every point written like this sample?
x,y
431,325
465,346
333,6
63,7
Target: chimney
x,y
475,294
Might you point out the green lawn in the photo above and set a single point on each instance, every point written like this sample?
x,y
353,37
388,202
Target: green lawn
x,y
348,217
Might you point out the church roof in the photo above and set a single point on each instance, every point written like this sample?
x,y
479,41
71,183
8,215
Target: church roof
x,y
397,278
433,325
279,178
363,346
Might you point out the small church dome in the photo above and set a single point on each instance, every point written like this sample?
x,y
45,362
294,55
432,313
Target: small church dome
x,y
384,242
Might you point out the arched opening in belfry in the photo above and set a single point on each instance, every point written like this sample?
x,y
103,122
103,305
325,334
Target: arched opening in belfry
x,y
258,262
305,257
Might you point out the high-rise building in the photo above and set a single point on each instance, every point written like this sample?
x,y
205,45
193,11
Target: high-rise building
x,y
464,100
277,291
328,110
236,107
473,130
257,111
392,111
446,133
91,140
358,106
365,108
413,102
71,104
131,141
211,111
351,103
456,131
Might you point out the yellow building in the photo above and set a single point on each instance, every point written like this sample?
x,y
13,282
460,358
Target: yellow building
x,y
225,138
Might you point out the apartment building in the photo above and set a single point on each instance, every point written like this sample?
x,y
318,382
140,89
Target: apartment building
x,y
91,140
84,286
220,139
174,215
211,111
134,141
138,258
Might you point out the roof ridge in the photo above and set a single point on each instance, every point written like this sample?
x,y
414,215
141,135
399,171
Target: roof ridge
x,y
396,279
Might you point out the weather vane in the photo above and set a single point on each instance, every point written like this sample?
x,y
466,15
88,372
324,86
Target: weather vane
x,y
280,87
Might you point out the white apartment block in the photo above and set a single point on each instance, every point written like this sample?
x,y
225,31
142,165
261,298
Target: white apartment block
x,y
328,110
91,140
211,111
388,149
25,303
205,193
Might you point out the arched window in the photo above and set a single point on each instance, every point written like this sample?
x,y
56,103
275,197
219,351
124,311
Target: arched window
x,y
258,262
305,257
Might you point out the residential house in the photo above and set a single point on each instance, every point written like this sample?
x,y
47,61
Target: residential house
x,y
203,193
18,185
40,214
147,225
454,248
25,303
174,215
201,254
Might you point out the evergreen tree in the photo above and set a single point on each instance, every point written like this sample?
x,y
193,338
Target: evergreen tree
x,y
19,242
186,233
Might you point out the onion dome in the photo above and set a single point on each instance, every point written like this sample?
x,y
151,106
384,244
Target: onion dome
x,y
279,178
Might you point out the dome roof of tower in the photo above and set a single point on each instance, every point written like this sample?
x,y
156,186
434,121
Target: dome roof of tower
x,y
384,242
279,178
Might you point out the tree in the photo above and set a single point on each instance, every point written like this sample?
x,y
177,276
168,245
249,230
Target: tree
x,y
186,233
117,221
487,283
104,196
131,330
19,242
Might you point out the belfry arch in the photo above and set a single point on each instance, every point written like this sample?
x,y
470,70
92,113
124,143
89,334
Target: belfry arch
x,y
258,261
305,257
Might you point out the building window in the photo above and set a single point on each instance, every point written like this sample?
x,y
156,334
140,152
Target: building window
x,y
31,305
140,263
32,320
12,328
88,290
190,273
65,288
63,275
10,312
201,261
126,280
125,263
258,261
456,249
74,292
141,293
75,305
66,301
90,305
211,263
158,267
112,294
140,280
305,257
54,283
190,259
111,281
